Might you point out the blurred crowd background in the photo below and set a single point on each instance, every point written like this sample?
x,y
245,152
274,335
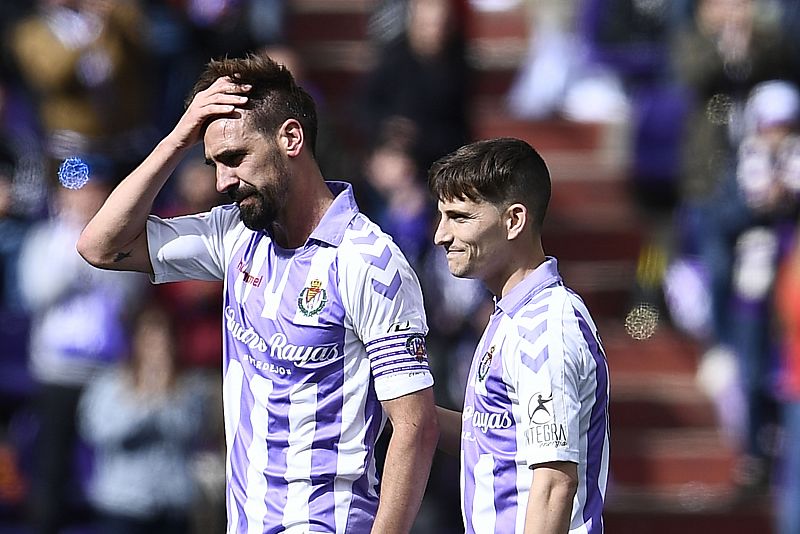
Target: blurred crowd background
x,y
110,402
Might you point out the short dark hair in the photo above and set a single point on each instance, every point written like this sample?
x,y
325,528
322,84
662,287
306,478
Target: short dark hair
x,y
501,171
274,97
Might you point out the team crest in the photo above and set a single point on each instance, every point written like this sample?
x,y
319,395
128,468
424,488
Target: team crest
x,y
312,299
415,346
485,364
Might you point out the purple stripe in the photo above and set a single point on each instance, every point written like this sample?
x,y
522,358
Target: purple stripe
x,y
534,364
413,361
389,361
379,354
358,222
537,311
471,449
277,438
598,428
369,239
400,370
386,347
326,447
381,261
388,291
540,296
241,442
532,334
384,339
506,499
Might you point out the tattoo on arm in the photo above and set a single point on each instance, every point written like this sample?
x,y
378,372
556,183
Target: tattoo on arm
x,y
121,256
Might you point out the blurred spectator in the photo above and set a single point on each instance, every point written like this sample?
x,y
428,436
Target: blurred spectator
x,y
768,174
403,207
12,232
719,57
331,153
142,418
77,329
181,36
85,62
421,78
559,75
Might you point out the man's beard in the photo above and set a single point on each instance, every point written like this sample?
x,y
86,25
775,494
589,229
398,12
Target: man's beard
x,y
264,205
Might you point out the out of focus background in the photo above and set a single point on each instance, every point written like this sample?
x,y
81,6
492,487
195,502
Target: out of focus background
x,y
671,132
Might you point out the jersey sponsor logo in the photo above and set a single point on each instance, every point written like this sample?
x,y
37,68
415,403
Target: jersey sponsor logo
x,y
279,346
266,366
539,409
301,355
248,336
544,431
485,364
248,278
312,298
547,435
415,346
485,421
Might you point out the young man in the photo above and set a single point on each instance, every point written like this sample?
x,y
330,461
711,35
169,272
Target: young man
x,y
323,318
533,436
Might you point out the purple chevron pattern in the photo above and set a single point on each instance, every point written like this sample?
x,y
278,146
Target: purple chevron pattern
x,y
381,261
368,239
532,334
534,364
388,291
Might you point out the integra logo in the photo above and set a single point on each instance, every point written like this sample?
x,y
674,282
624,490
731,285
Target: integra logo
x,y
486,420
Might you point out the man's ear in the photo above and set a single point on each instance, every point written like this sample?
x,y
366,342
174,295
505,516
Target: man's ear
x,y
515,219
291,137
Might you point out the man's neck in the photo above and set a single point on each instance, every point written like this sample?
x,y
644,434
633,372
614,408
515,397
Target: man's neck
x,y
307,204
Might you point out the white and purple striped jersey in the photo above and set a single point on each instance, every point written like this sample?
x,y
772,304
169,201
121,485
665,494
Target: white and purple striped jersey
x,y
537,392
315,339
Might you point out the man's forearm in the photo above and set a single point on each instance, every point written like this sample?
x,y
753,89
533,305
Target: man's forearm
x,y
123,217
405,476
550,499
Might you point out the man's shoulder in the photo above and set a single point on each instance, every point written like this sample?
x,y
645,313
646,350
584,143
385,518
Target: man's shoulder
x,y
367,245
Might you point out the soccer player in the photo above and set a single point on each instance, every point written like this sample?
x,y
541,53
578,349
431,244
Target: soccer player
x,y
533,434
323,318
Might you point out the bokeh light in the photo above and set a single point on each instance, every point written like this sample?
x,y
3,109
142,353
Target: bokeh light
x,y
73,173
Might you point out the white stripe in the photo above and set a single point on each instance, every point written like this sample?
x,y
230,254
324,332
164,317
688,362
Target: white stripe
x,y
302,409
231,392
273,293
463,483
483,512
255,507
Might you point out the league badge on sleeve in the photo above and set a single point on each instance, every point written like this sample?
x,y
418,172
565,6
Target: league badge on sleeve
x,y
312,299
415,346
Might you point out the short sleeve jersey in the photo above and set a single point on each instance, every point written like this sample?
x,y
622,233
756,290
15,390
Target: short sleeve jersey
x,y
537,392
314,339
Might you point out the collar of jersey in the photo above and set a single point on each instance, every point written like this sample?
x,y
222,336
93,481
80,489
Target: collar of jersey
x,y
545,275
331,228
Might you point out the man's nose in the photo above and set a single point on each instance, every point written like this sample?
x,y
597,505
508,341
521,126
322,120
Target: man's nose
x,y
225,179
441,235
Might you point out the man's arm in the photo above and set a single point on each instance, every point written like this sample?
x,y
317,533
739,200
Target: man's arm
x,y
550,499
449,430
408,460
116,237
